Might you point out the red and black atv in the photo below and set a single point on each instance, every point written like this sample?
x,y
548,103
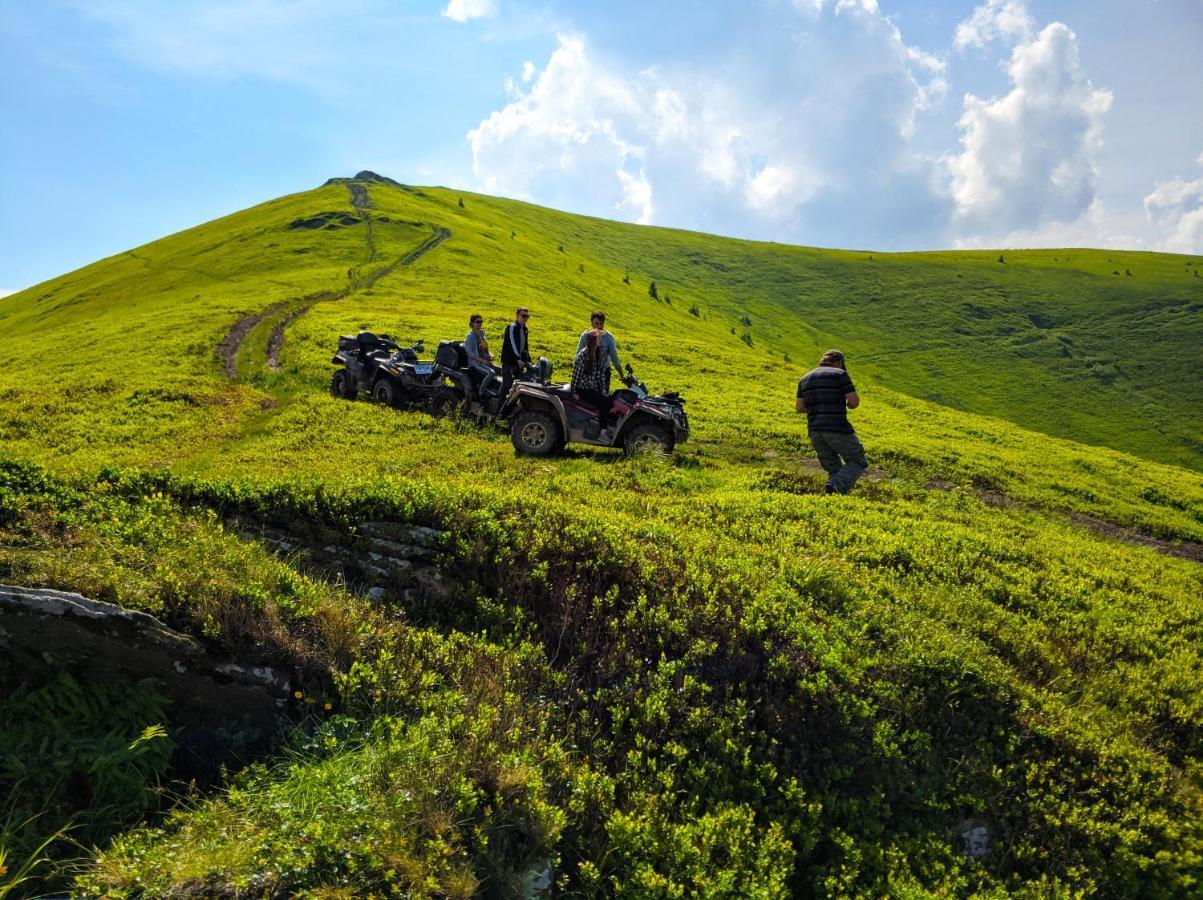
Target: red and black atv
x,y
544,416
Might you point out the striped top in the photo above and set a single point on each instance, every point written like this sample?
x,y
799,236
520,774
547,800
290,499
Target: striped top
x,y
824,391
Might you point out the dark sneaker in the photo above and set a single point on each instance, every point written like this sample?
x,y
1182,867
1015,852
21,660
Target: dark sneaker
x,y
829,489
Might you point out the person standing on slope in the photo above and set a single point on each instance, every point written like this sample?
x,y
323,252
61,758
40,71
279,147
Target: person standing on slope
x,y
609,346
826,394
515,354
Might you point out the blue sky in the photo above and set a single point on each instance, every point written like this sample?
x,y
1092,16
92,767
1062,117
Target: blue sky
x,y
883,124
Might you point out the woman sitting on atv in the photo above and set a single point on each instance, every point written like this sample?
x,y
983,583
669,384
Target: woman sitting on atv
x,y
476,345
591,379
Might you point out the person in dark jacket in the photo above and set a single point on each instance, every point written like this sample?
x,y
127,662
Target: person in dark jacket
x,y
826,394
590,371
515,352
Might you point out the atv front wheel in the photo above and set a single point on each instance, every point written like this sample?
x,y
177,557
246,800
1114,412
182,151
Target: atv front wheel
x,y
535,433
647,438
445,403
387,392
340,385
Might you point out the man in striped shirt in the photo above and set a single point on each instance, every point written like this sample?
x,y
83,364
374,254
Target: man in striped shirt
x,y
826,394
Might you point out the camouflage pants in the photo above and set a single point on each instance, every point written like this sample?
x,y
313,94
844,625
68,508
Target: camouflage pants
x,y
842,456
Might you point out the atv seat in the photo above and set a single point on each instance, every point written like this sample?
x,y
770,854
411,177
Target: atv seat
x,y
451,355
369,345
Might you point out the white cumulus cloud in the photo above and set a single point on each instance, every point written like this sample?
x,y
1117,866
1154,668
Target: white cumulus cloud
x,y
1006,20
1028,158
1175,207
467,10
801,133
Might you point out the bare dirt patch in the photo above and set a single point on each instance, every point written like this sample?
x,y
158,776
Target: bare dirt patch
x,y
1183,549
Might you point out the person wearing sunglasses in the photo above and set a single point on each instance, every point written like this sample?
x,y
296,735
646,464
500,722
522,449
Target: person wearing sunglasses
x,y
515,351
476,345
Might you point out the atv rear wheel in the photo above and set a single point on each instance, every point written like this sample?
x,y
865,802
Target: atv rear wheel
x,y
341,386
647,438
535,433
387,392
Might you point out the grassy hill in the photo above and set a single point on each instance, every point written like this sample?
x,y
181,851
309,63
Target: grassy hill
x,y
654,677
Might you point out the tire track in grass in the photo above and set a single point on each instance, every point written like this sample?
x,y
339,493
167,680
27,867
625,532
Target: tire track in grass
x,y
227,350
1181,548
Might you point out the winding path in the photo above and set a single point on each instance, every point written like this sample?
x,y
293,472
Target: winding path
x,y
361,200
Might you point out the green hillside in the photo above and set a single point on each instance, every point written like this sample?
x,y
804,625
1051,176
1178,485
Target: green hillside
x,y
651,677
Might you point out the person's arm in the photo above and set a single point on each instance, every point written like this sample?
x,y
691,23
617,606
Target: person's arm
x,y
800,405
850,395
612,346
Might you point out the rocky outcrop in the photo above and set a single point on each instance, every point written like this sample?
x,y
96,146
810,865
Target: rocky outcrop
x,y
387,560
43,632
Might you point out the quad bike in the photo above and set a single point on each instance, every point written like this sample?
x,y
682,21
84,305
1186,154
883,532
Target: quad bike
x,y
472,392
544,417
392,374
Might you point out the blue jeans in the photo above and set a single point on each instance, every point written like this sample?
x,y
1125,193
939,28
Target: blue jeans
x,y
842,456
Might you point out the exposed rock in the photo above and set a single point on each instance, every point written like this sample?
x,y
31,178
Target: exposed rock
x,y
398,558
409,534
975,839
44,631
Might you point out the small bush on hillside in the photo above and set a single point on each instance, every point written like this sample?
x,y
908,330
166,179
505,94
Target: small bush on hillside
x,y
746,320
652,292
1001,258
746,338
461,202
694,311
626,279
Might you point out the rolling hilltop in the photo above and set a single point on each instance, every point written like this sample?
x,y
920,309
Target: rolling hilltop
x,y
648,677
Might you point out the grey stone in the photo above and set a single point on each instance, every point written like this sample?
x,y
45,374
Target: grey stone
x,y
394,548
47,630
406,534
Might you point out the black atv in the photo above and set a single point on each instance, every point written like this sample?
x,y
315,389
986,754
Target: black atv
x,y
392,374
472,392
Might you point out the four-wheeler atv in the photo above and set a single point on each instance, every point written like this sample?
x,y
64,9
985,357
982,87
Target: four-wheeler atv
x,y
472,392
392,374
544,417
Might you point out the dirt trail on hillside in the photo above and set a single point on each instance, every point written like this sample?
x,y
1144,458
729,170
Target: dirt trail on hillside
x,y
362,201
440,234
1182,549
227,350
276,341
